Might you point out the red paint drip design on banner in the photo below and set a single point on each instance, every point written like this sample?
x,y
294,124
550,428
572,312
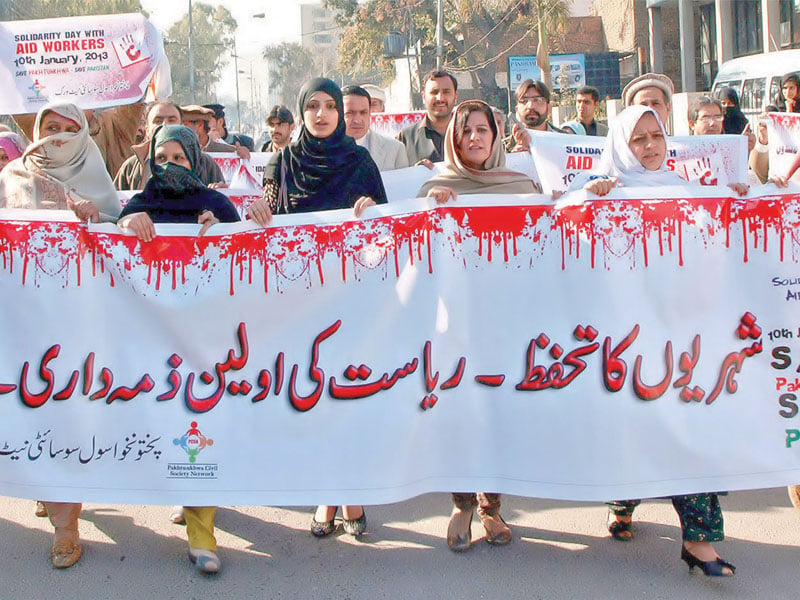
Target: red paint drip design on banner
x,y
618,234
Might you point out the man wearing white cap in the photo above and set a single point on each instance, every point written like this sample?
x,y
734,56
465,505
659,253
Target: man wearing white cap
x,y
387,153
377,96
651,89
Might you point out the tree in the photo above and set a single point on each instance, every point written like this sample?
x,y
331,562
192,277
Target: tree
x,y
23,10
550,15
213,28
477,33
290,66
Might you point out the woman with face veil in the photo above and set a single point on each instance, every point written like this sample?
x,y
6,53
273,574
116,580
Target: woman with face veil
x,y
62,169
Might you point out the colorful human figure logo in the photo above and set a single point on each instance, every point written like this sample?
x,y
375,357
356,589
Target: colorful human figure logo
x,y
36,88
193,442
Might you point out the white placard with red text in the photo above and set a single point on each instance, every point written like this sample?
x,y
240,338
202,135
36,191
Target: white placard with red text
x,y
783,132
710,159
493,343
392,123
242,174
91,61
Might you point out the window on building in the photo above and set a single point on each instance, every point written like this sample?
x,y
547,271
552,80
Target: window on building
x,y
790,24
708,45
323,38
747,31
752,98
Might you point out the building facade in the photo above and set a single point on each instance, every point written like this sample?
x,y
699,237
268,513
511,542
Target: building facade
x,y
649,33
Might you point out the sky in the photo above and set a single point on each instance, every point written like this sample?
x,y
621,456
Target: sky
x,y
282,24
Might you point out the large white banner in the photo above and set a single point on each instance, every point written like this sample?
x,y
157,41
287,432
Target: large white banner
x,y
92,61
631,347
709,159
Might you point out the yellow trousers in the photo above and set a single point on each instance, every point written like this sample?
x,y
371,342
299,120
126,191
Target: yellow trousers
x,y
200,527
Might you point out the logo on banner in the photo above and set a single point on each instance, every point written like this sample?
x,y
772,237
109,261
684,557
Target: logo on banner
x,y
192,442
37,89
130,52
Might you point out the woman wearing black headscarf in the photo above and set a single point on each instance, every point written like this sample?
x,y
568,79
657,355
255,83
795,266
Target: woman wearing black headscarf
x,y
174,193
734,121
324,169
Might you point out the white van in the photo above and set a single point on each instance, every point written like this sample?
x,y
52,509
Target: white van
x,y
757,78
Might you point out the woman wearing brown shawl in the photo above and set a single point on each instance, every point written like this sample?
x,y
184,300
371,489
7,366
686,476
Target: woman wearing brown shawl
x,y
475,161
474,158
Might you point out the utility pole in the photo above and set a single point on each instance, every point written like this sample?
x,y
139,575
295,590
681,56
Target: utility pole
x,y
252,102
236,67
439,33
191,56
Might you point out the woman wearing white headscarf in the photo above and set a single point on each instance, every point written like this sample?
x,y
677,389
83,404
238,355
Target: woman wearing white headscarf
x,y
635,155
62,169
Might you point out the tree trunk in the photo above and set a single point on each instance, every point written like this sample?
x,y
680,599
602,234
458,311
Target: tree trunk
x,y
542,55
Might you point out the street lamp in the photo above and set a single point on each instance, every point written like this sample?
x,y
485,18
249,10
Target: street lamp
x,y
252,104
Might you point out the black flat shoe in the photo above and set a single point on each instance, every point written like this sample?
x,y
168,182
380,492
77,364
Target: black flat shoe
x,y
324,528
355,527
712,568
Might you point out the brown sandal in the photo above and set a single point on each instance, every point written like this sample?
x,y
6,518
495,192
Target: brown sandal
x,y
459,530
498,533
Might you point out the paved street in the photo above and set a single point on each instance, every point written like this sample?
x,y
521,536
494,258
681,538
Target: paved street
x,y
561,550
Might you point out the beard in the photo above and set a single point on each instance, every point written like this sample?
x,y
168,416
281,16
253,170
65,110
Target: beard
x,y
533,119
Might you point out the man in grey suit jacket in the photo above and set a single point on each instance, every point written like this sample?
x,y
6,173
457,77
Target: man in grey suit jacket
x,y
587,99
424,141
387,153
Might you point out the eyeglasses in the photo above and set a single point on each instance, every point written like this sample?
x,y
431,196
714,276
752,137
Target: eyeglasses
x,y
537,100
711,119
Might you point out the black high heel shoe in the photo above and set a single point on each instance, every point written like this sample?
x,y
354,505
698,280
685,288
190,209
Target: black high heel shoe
x,y
712,568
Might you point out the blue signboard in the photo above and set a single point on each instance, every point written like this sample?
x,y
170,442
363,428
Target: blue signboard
x,y
565,69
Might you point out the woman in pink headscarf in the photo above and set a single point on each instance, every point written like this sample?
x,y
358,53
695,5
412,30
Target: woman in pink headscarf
x,y
11,147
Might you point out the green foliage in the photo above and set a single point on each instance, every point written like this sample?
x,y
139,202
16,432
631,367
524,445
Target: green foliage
x,y
365,26
22,10
477,34
290,66
213,28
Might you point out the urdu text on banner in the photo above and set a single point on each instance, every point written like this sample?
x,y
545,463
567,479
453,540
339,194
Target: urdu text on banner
x,y
494,343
